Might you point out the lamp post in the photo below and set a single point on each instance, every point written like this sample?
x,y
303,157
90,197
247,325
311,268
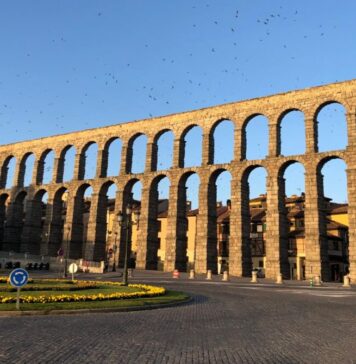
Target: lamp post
x,y
114,250
66,254
125,221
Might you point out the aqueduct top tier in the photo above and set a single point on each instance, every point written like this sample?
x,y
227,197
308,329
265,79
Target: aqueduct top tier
x,y
309,101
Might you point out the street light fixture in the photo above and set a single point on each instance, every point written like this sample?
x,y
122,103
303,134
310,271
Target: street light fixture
x,y
126,222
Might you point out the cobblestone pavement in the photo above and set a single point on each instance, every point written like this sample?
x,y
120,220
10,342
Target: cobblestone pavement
x,y
233,322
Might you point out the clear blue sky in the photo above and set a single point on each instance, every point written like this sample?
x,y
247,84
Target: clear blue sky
x,y
71,65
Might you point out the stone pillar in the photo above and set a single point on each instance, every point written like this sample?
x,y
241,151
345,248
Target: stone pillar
x,y
151,157
96,232
351,128
206,241
240,263
316,244
171,236
277,229
126,160
102,163
38,172
79,166
53,227
4,172
116,228
19,175
178,153
58,170
351,191
141,257
207,148
274,143
239,145
31,238
311,134
73,238
13,226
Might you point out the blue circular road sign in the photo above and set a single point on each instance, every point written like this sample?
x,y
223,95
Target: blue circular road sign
x,y
18,277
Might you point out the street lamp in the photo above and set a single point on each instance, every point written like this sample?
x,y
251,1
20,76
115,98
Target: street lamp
x,y
125,221
66,254
114,250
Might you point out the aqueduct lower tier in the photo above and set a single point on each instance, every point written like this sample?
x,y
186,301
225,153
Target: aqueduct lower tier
x,y
31,235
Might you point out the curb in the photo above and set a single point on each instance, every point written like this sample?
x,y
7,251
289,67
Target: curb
x,y
92,310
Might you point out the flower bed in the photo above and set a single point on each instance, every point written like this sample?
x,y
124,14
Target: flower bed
x,y
142,291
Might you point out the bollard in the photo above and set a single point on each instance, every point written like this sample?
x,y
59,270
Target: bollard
x,y
191,274
225,277
208,274
176,274
317,281
346,281
279,278
254,277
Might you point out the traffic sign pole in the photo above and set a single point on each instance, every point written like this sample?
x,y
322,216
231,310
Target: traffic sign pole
x,y
18,299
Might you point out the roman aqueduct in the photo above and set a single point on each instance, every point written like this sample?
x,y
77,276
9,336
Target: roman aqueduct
x,y
27,235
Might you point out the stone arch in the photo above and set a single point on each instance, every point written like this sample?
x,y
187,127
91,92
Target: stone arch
x,y
154,225
4,201
45,168
217,248
196,155
137,143
15,222
66,164
110,161
246,144
162,155
184,213
58,215
290,223
8,172
252,217
334,136
80,220
221,141
87,161
291,133
25,173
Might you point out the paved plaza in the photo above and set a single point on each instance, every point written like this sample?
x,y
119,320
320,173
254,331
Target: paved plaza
x,y
233,322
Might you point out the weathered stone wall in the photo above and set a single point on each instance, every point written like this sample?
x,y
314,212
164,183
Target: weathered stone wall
x,y
309,101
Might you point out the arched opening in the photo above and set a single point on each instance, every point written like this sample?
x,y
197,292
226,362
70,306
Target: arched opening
x,y
223,142
292,186
191,141
15,223
157,222
335,218
332,127
45,173
110,226
132,196
254,206
292,129
81,215
187,211
27,172
114,149
255,138
139,148
4,201
219,205
165,150
8,172
90,155
68,162
36,235
57,236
